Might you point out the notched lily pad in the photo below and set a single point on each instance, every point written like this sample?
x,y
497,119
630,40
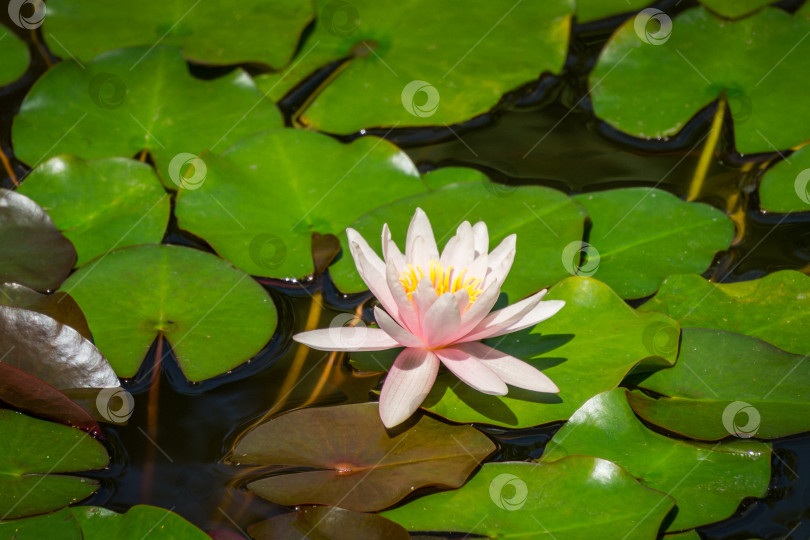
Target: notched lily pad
x,y
58,305
15,56
356,463
327,522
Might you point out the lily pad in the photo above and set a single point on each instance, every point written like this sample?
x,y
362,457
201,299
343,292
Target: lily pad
x,y
545,221
15,56
729,384
591,10
59,305
210,32
214,316
357,464
785,187
101,204
32,251
264,197
708,481
403,68
735,9
651,84
596,334
140,99
641,235
577,498
327,522
775,308
32,456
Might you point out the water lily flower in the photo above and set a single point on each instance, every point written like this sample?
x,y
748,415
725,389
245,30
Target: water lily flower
x,y
438,306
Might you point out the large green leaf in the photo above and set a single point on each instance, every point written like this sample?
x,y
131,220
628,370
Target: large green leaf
x,y
587,348
214,316
775,308
327,522
15,56
32,251
421,63
785,187
591,10
32,456
209,31
729,384
353,462
545,221
578,498
651,79
101,204
708,481
734,9
128,100
641,235
262,199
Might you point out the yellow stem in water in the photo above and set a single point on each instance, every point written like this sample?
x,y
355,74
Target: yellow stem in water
x,y
696,187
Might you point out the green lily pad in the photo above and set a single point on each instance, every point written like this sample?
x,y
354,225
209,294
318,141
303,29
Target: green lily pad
x,y
262,199
687,535
735,9
214,316
729,384
587,348
775,308
545,221
210,32
101,204
577,498
357,464
58,305
403,68
95,523
785,187
32,456
32,251
15,56
139,99
327,522
708,481
640,236
651,84
592,10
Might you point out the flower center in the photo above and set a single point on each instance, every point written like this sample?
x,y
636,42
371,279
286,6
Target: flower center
x,y
444,280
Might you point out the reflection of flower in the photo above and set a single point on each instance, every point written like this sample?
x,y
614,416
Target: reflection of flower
x,y
438,308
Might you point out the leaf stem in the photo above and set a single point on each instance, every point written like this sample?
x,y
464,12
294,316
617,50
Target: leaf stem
x,y
696,186
152,421
9,169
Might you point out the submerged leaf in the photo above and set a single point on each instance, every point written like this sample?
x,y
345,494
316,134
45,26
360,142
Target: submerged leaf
x,y
327,522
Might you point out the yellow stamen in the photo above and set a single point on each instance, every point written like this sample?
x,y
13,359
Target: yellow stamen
x,y
443,280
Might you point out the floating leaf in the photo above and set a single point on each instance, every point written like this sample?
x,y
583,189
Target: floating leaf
x,y
15,56
275,172
591,10
775,308
651,83
720,379
59,305
785,187
642,235
735,9
404,68
327,522
214,316
210,32
586,348
708,481
532,212
358,465
32,456
32,251
577,498
139,99
101,204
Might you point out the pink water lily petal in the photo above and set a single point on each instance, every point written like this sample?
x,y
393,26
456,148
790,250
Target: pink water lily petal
x,y
407,384
423,298
509,369
471,371
347,338
372,270
480,238
420,227
519,315
441,321
391,251
501,259
460,249
406,312
478,310
390,326
463,301
421,254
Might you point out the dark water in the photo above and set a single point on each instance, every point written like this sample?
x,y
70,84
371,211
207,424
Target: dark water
x,y
543,134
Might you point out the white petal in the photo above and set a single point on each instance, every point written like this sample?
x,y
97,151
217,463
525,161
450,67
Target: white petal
x,y
463,301
406,312
474,373
480,238
509,369
407,384
441,321
420,227
422,253
500,260
423,298
372,269
390,249
460,249
347,338
518,316
478,310
390,326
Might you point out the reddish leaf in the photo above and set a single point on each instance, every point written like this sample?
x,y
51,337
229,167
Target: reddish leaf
x,y
59,305
327,523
